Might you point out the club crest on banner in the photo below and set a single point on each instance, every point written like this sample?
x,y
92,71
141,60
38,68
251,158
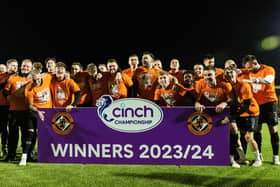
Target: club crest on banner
x,y
200,123
62,123
129,115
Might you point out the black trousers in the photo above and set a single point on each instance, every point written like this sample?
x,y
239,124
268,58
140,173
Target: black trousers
x,y
4,112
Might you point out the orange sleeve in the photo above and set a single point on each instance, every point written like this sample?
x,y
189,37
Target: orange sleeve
x,y
127,80
181,90
74,87
27,93
246,92
157,95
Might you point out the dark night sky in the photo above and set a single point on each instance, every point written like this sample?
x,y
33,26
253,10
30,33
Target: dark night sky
x,y
93,32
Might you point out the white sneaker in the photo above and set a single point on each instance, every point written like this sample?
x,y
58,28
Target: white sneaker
x,y
22,162
235,164
241,161
257,163
275,161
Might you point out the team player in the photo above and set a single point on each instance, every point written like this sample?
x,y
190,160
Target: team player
x,y
64,90
81,78
98,84
14,91
209,60
119,84
212,92
245,110
133,62
175,70
38,95
145,78
261,78
168,93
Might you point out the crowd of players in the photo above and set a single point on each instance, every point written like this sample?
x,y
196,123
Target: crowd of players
x,y
248,91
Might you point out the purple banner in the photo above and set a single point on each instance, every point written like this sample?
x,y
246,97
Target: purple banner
x,y
134,131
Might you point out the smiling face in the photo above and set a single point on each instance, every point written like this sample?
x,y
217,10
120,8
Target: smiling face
x,y
230,74
209,62
3,68
174,64
133,61
12,67
188,79
26,66
210,77
50,65
75,69
198,70
112,67
60,73
164,80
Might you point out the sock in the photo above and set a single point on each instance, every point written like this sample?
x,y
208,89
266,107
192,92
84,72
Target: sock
x,y
274,139
24,156
233,143
241,153
258,139
257,155
243,142
28,141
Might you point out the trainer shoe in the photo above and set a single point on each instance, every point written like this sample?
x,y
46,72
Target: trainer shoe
x,y
23,160
235,164
275,160
257,163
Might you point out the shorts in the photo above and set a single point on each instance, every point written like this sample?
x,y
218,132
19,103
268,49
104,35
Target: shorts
x,y
249,123
268,114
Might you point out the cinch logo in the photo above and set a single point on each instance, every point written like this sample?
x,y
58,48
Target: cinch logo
x,y
199,123
62,123
129,115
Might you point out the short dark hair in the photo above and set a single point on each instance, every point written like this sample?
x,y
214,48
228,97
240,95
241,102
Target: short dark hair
x,y
248,58
50,58
149,53
78,64
61,64
208,56
188,72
